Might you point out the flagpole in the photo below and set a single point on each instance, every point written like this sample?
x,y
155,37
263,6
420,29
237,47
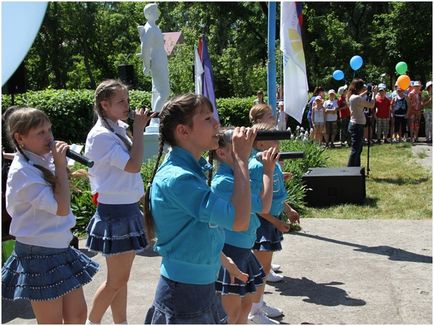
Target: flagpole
x,y
271,66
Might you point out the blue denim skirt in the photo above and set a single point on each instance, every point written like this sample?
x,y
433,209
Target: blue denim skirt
x,y
116,229
40,273
247,263
268,238
180,303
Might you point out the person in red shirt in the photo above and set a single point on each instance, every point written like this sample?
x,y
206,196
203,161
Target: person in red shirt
x,y
382,113
344,116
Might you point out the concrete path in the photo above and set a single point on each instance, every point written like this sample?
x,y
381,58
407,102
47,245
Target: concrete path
x,y
336,272
423,154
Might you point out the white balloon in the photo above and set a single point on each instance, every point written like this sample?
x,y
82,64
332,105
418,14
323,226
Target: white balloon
x,y
20,24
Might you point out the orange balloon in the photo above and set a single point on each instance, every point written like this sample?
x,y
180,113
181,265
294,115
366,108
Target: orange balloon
x,y
403,82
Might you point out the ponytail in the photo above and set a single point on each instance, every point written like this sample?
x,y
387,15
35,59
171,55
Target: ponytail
x,y
149,219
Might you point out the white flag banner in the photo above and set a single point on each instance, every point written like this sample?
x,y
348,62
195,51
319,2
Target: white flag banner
x,y
295,87
198,72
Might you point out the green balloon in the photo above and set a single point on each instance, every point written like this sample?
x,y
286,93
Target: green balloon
x,y
401,67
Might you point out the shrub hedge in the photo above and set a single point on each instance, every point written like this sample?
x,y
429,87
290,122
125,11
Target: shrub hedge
x,y
71,111
83,207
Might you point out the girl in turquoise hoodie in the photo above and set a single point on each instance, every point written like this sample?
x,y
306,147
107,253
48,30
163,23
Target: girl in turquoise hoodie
x,y
237,297
188,217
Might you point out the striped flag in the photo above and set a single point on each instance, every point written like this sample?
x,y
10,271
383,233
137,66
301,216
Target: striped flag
x,y
295,85
198,72
204,79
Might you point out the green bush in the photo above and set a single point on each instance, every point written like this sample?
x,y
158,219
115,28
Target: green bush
x,y
81,197
234,111
71,111
313,157
83,208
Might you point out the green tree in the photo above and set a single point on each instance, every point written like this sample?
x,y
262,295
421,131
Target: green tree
x,y
81,43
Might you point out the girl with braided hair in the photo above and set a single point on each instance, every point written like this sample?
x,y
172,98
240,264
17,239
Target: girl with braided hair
x,y
189,218
117,229
43,267
237,296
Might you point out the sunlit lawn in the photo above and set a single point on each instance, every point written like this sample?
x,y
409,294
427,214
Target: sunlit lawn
x,y
397,187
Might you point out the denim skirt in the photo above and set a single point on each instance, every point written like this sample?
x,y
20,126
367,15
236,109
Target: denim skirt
x,y
247,263
116,229
268,238
180,303
40,273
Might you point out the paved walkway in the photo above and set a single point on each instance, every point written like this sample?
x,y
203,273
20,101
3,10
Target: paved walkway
x,y
336,272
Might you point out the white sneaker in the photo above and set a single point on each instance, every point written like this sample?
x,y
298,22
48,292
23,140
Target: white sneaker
x,y
260,318
275,267
274,278
271,312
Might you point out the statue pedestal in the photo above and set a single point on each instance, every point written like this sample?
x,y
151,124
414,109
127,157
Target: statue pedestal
x,y
151,143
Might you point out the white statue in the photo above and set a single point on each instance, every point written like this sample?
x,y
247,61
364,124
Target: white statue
x,y
154,58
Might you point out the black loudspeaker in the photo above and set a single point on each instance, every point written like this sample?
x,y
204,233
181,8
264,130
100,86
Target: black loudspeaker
x,y
330,186
126,74
17,82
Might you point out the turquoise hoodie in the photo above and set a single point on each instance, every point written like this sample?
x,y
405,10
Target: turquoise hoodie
x,y
189,219
279,192
223,184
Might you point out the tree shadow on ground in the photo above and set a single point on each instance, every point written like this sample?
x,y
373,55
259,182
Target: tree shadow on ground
x,y
400,180
16,309
371,202
317,293
395,254
148,252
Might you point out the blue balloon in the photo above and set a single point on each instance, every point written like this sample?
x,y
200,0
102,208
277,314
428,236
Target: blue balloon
x,y
338,75
356,62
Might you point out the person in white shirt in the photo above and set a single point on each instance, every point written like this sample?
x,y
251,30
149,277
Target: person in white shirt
x,y
281,117
331,118
43,268
318,119
117,228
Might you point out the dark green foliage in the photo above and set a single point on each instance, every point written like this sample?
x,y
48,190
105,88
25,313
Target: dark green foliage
x,y
314,157
83,208
81,43
81,199
70,111
234,111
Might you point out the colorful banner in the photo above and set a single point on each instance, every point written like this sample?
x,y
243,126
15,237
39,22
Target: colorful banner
x,y
204,79
294,64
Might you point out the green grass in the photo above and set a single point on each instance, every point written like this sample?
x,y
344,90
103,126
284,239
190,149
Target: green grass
x,y
397,187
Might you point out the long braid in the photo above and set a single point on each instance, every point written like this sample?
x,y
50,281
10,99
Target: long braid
x,y
149,219
210,161
46,173
124,140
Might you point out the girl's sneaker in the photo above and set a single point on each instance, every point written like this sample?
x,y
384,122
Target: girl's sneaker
x,y
260,318
274,278
275,267
271,312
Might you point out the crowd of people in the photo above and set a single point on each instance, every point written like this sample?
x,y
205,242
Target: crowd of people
x,y
392,116
216,240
